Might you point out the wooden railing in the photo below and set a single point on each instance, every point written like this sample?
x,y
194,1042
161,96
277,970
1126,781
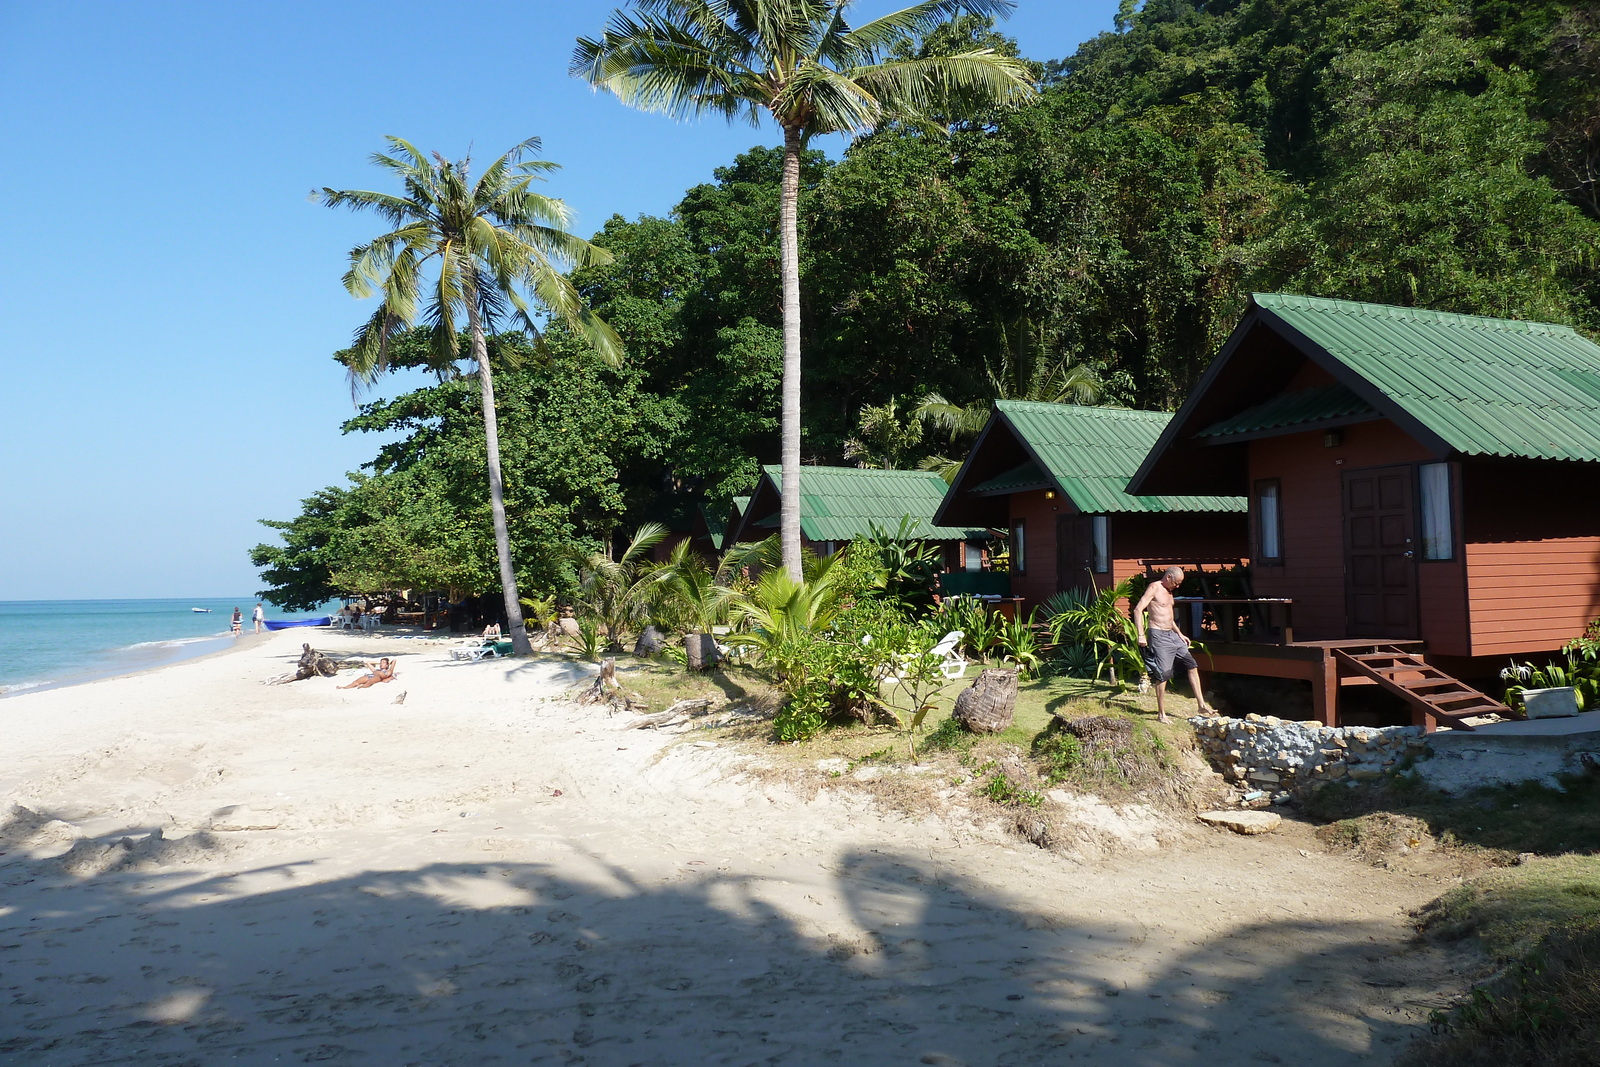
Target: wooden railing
x,y
1264,620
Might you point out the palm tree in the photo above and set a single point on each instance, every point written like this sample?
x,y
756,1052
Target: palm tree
x,y
493,244
619,591
802,64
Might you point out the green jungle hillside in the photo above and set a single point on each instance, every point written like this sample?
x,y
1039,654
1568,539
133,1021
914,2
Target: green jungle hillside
x,y
1104,236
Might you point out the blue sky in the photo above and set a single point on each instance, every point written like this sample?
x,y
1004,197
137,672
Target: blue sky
x,y
169,298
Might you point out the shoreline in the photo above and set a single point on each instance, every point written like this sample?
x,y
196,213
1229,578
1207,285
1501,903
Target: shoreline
x,y
112,673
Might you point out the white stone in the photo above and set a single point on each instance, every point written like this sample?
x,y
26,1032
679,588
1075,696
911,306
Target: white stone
x,y
1243,822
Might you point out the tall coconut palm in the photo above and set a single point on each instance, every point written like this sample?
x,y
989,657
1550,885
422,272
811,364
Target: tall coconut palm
x,y
802,64
485,251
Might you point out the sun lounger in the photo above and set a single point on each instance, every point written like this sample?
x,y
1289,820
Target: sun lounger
x,y
486,650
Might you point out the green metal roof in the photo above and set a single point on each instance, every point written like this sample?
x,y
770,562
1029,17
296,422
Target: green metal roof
x,y
717,522
1026,476
1091,452
1485,387
1317,404
843,503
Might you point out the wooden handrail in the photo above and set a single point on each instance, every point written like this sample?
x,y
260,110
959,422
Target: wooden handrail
x,y
1228,631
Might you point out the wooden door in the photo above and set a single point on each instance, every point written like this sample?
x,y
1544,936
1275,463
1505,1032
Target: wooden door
x,y
1380,566
1074,553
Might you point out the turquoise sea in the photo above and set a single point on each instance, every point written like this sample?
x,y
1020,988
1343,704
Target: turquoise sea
x,y
63,642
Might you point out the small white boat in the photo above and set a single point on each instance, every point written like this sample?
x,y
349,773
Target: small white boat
x,y
205,611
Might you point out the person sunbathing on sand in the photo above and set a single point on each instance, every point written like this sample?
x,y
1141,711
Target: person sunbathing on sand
x,y
382,671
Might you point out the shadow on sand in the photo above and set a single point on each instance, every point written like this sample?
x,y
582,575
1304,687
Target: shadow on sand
x,y
150,962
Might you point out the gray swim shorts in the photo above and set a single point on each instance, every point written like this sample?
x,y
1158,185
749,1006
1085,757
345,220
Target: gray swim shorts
x,y
1165,650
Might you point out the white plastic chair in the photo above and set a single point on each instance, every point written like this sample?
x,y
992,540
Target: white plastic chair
x,y
951,664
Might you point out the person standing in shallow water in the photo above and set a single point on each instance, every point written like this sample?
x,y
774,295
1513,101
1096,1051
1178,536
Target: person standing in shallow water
x,y
1165,647
259,617
238,622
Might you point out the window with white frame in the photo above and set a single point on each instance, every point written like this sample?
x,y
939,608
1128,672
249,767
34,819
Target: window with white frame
x,y
1100,533
1269,523
1438,538
974,560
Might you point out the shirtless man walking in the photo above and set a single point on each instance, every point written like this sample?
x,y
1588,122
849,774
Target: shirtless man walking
x,y
1165,647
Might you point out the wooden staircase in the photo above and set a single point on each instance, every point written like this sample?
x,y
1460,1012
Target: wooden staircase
x,y
1435,697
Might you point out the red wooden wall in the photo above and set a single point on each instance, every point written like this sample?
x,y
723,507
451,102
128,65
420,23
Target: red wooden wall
x,y
1532,534
1132,539
1310,477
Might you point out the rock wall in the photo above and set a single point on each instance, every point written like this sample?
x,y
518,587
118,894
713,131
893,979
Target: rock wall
x,y
1283,756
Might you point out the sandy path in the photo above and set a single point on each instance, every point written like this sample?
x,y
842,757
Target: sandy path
x,y
416,893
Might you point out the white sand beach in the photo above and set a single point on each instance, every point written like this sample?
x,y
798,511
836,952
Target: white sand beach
x,y
213,870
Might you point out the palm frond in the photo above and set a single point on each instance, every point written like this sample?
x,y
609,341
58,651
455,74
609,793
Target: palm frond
x,y
934,83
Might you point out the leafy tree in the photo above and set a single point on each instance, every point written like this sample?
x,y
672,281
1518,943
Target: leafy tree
x,y
1429,199
299,573
493,244
800,62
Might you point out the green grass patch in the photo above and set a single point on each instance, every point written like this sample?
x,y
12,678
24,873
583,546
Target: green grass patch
x,y
1543,1010
1002,790
1512,908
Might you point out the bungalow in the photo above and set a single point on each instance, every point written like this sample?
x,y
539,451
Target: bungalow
x,y
841,504
1054,476
1420,481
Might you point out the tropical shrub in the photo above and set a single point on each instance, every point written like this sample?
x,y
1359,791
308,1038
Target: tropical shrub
x,y
1018,644
686,595
619,592
1093,620
908,567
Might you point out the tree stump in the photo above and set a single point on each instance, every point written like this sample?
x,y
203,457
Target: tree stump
x,y
701,650
1099,731
988,705
649,642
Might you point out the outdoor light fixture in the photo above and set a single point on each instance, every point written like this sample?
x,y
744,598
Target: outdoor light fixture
x,y
1332,439
1049,494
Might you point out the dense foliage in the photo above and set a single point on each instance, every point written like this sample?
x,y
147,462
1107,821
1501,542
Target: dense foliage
x,y
1441,153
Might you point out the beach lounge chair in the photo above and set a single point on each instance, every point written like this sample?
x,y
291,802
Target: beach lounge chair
x,y
951,665
486,650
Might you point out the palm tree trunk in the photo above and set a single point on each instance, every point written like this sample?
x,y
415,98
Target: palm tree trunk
x,y
497,489
789,257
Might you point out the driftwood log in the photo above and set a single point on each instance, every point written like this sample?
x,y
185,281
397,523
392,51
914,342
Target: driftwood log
x,y
311,663
701,650
989,703
599,690
680,712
